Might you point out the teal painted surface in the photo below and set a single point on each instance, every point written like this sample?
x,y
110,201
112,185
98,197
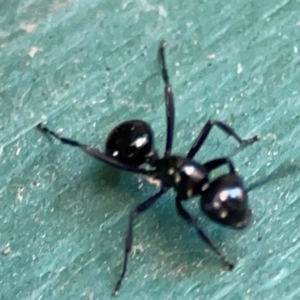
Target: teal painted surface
x,y
83,67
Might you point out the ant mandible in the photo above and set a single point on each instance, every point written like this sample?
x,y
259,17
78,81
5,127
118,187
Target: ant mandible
x,y
130,145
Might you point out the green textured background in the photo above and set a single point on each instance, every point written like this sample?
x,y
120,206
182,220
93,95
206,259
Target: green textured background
x,y
84,66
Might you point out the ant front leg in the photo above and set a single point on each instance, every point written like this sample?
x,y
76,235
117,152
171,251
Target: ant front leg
x,y
169,100
193,222
225,128
95,153
129,235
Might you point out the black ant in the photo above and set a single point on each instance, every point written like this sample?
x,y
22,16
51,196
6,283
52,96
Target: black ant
x,y
131,145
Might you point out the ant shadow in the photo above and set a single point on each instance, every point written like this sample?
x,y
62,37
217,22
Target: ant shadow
x,y
169,241
173,246
171,231
283,170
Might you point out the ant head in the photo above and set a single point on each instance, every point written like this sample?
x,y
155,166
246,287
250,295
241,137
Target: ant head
x,y
225,201
131,143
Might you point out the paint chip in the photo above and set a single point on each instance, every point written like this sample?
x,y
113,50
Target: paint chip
x,y
239,68
162,12
29,27
6,250
295,49
33,51
20,192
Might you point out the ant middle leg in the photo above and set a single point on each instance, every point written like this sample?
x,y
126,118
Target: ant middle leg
x,y
216,163
129,235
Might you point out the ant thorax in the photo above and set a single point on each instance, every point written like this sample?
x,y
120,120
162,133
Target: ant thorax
x,y
187,177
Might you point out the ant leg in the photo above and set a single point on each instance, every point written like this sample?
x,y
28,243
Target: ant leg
x,y
216,163
169,100
129,235
224,127
94,152
193,222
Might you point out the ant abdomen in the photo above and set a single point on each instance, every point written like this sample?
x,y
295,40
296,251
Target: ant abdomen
x,y
225,201
131,143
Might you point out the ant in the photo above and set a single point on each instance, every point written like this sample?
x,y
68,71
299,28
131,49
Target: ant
x,y
130,145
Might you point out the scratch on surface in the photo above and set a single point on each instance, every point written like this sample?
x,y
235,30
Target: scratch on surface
x,y
121,46
267,119
275,9
218,35
38,292
290,251
25,94
293,294
58,6
16,136
15,172
191,288
276,279
225,291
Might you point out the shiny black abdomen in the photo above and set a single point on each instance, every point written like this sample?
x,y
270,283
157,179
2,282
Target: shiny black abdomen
x,y
130,143
226,201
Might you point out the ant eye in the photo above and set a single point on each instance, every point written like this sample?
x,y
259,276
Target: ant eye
x,y
131,143
225,201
